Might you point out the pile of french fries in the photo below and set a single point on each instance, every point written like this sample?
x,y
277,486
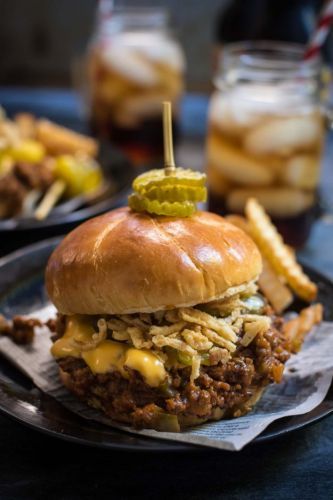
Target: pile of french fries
x,y
52,138
282,277
27,139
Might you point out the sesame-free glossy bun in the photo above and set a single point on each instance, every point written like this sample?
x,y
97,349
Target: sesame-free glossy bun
x,y
126,262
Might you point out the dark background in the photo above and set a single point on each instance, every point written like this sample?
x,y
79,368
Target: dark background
x,y
40,40
296,467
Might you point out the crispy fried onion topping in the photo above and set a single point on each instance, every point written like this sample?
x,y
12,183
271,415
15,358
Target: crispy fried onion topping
x,y
97,337
189,336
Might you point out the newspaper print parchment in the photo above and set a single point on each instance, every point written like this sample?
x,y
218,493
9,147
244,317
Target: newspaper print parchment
x,y
305,384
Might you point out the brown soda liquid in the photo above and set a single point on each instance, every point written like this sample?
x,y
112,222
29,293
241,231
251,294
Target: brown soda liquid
x,y
142,144
273,156
129,75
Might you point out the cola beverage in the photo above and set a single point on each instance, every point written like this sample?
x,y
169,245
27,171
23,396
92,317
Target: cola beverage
x,y
265,136
134,64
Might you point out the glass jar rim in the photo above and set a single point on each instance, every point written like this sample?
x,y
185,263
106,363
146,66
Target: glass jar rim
x,y
264,61
141,17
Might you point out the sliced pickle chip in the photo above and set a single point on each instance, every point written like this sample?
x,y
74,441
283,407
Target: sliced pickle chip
x,y
176,193
157,177
166,422
173,209
81,174
184,358
254,303
205,359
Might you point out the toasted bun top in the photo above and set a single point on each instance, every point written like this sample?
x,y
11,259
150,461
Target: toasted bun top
x,y
125,262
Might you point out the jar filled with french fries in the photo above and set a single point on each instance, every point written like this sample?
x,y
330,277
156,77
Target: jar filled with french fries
x,y
266,133
133,63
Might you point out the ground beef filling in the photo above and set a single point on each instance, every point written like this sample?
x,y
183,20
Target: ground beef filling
x,y
228,386
20,329
15,186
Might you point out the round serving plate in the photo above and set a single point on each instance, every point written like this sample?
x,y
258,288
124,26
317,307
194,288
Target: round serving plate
x,y
22,292
118,174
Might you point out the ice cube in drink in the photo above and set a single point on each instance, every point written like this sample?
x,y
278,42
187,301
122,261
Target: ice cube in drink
x,y
130,74
265,143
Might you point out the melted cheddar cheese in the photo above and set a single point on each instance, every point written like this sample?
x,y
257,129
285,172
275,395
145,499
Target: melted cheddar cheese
x,y
108,355
146,363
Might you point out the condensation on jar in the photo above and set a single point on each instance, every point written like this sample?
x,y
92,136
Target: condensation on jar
x,y
265,135
133,64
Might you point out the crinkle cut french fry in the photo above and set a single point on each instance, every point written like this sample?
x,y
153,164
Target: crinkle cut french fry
x,y
278,295
270,284
297,328
277,253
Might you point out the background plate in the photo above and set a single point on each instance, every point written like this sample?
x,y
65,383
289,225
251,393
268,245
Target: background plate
x,y
118,173
22,292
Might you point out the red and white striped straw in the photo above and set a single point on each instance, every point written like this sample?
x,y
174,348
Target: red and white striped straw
x,y
319,36
104,10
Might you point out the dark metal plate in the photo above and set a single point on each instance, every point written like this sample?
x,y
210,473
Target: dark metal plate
x,y
22,292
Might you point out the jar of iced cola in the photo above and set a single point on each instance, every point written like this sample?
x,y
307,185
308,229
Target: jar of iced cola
x,y
134,63
265,135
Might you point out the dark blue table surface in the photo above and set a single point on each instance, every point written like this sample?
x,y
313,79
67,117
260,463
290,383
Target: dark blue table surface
x,y
298,466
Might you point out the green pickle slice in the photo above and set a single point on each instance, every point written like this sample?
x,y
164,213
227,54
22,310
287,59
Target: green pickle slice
x,y
176,193
81,175
173,195
157,177
174,209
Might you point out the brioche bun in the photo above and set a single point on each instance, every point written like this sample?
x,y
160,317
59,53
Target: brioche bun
x,y
126,262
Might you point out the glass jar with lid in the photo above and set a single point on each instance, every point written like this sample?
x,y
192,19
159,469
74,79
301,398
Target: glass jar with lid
x,y
265,134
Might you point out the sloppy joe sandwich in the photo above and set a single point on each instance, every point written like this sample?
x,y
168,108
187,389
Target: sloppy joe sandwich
x,y
160,324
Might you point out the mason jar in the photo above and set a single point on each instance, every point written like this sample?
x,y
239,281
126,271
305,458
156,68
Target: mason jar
x,y
265,134
134,64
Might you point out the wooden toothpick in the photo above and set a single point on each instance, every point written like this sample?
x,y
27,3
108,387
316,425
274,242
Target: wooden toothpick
x,y
169,161
49,200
